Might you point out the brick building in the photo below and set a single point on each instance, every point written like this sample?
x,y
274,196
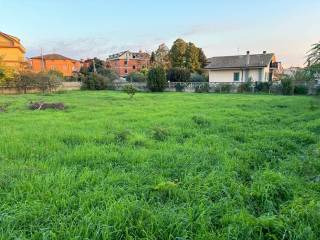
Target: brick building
x,y
127,62
66,66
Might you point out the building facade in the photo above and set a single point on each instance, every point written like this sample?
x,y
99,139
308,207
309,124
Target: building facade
x,y
12,52
66,66
124,63
242,68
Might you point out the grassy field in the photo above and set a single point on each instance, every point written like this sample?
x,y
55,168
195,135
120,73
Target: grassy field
x,y
160,166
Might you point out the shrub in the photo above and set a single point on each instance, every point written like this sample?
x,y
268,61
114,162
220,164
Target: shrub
x,y
300,90
48,81
180,87
178,75
94,81
202,88
263,86
136,77
130,90
287,85
157,79
25,80
196,77
225,88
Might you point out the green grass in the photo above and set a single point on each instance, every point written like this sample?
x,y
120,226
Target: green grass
x,y
160,166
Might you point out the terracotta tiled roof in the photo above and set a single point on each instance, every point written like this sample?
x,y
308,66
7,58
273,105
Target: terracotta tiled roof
x,y
53,56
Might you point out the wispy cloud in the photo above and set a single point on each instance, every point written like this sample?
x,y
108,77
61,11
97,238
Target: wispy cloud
x,y
89,47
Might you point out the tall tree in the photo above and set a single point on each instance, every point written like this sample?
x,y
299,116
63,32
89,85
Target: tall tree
x,y
314,54
202,58
162,56
153,58
177,53
192,57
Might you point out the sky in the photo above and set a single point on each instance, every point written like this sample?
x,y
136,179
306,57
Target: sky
x,y
98,28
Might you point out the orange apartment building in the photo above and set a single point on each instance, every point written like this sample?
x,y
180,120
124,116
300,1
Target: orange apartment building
x,y
66,66
127,62
12,52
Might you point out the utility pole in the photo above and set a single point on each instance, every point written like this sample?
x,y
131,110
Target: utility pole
x,y
42,61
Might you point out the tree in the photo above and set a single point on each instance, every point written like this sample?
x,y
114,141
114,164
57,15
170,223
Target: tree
x,y
202,58
192,57
162,56
178,75
153,58
177,53
48,81
313,56
25,80
157,79
6,73
130,90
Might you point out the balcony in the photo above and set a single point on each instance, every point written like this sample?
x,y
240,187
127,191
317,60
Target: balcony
x,y
275,65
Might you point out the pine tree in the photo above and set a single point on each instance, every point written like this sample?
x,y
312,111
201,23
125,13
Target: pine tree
x,y
153,58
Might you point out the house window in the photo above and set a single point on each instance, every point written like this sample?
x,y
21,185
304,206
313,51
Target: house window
x,y
126,62
236,76
126,71
134,67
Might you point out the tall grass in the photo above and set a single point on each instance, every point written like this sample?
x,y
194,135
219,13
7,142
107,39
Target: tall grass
x,y
160,166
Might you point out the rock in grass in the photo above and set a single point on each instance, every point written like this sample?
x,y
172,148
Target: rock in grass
x,y
44,106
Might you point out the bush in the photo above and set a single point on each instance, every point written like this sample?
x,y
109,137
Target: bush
x,y
136,77
287,85
94,81
300,90
26,80
48,81
178,75
202,88
157,79
225,88
196,77
130,90
180,87
263,86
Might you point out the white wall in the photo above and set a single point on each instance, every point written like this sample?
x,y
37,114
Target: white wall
x,y
227,75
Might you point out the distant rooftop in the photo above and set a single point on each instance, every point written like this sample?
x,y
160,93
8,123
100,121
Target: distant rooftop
x,y
53,56
240,61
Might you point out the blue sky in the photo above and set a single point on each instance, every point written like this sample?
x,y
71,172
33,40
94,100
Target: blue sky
x,y
87,28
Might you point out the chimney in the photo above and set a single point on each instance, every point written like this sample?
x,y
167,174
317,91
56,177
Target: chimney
x,y
264,52
248,58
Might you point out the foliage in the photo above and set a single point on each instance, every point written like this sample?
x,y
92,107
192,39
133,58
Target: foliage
x,y
48,81
192,57
202,58
263,86
225,87
157,80
287,85
196,77
187,55
136,77
178,75
180,87
300,89
130,90
313,56
202,88
7,74
25,80
94,81
98,67
161,56
170,166
177,53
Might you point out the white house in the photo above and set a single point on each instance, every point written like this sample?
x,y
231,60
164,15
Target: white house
x,y
242,68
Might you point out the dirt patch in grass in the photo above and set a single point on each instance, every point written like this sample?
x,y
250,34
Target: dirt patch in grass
x,y
44,106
